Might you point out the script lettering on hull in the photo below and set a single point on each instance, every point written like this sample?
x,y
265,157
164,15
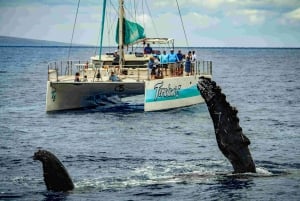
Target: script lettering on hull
x,y
162,91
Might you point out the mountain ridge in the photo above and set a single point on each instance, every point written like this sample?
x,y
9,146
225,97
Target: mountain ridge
x,y
9,41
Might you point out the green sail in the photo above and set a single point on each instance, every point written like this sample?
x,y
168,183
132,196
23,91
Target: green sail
x,y
132,32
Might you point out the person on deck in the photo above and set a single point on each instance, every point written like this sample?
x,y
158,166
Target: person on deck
x,y
179,67
163,58
98,76
86,66
194,56
113,77
85,79
158,68
148,49
187,65
194,59
116,59
77,77
172,59
152,67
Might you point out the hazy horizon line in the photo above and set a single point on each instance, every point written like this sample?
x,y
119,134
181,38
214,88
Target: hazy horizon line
x,y
68,45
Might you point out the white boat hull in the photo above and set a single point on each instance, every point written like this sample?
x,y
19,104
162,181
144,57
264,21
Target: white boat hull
x,y
160,94
171,93
72,95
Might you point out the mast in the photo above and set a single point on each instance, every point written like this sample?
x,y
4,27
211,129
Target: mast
x,y
102,29
121,35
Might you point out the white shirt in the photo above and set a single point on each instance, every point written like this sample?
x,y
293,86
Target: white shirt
x,y
194,57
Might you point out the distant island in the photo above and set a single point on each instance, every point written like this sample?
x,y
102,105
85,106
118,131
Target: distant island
x,y
7,41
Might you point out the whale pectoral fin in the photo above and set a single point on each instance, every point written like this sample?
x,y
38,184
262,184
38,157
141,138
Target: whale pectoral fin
x,y
55,174
230,138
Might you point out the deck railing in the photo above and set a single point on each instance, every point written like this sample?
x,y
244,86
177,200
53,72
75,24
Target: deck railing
x,y
59,69
203,67
66,69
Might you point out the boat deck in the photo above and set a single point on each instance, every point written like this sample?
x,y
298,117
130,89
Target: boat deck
x,y
65,72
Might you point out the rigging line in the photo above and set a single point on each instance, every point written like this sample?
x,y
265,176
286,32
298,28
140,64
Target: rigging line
x,y
129,13
112,23
109,23
144,25
113,7
156,32
135,9
73,30
187,43
98,39
132,9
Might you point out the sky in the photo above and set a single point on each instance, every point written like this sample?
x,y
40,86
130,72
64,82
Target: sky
x,y
209,23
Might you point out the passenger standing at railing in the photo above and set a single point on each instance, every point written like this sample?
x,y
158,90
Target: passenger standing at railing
x,y
158,71
151,68
179,68
86,66
148,49
85,79
194,59
98,76
163,58
116,59
77,77
187,65
172,59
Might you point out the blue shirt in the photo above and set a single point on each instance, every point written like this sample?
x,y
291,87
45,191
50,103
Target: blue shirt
x,y
114,78
179,56
150,64
163,58
172,58
147,50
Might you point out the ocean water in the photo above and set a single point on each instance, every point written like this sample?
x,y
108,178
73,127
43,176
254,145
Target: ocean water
x,y
124,153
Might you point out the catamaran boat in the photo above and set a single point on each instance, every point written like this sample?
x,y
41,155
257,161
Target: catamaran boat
x,y
93,85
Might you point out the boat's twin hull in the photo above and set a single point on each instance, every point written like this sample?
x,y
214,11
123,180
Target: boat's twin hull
x,y
171,93
160,94
64,96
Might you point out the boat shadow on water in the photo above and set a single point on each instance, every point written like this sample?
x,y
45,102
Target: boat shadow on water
x,y
106,104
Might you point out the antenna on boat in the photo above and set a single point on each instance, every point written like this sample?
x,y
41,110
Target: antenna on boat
x,y
186,40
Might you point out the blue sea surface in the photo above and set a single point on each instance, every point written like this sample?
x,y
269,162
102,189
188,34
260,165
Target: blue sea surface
x,y
124,153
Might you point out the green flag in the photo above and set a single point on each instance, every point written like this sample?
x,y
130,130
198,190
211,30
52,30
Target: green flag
x,y
132,32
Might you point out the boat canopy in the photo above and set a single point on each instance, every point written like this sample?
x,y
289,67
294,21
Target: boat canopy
x,y
158,41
